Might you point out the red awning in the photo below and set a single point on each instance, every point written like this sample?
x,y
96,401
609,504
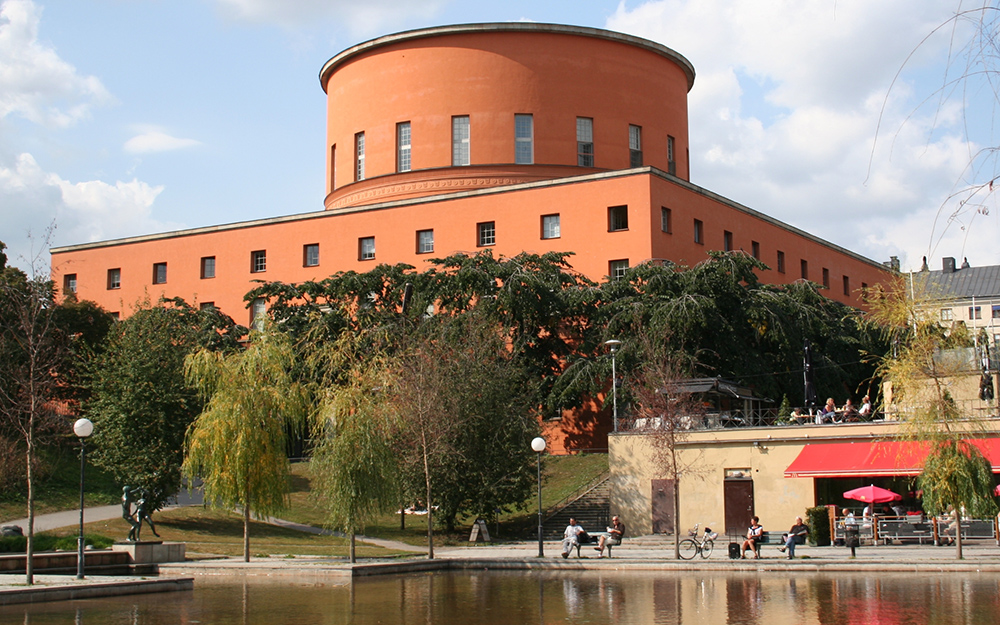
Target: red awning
x,y
873,459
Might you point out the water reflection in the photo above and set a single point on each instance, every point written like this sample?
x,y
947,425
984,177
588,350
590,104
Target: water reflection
x,y
494,598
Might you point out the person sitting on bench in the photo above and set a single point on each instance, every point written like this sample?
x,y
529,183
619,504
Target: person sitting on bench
x,y
612,537
754,534
793,537
572,537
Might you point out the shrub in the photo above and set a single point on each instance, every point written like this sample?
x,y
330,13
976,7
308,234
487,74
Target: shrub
x,y
50,542
819,526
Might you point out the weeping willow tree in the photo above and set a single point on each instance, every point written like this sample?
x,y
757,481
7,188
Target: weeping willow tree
x,y
237,445
354,465
920,380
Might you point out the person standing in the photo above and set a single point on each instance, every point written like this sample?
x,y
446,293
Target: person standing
x,y
571,537
792,537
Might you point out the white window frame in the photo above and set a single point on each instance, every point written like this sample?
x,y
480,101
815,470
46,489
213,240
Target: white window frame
x,y
310,255
585,141
114,279
207,267
403,147
486,234
634,145
618,218
159,273
359,157
366,248
461,141
425,241
524,132
617,269
551,226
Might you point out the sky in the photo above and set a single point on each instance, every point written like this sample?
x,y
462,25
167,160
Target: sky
x,y
845,118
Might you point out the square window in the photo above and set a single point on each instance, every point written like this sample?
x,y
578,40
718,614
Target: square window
x,y
159,273
996,311
550,226
781,262
524,153
617,269
755,249
826,277
665,219
69,283
617,218
946,314
366,248
584,142
699,232
258,261
460,141
207,267
114,278
804,266
486,233
310,255
425,241
727,241
634,146
359,156
975,312
403,146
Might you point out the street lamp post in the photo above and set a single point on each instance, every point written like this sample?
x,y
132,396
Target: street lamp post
x,y
538,445
82,428
613,346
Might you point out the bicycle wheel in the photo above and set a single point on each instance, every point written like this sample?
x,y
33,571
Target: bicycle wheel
x,y
706,548
688,548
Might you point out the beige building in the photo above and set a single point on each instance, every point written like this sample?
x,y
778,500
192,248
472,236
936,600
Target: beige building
x,y
774,472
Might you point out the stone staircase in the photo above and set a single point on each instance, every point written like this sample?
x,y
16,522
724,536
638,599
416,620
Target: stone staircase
x,y
591,509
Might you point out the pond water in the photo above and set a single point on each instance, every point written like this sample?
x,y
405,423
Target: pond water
x,y
593,597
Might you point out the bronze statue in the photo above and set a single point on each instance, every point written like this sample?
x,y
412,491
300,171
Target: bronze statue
x,y
140,514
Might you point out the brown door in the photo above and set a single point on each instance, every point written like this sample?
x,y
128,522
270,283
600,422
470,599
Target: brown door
x,y
663,506
739,505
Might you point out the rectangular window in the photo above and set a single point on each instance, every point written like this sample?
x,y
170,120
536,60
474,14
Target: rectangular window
x,y
258,261
159,273
996,311
617,218
310,255
975,312
425,241
114,278
460,141
617,269
804,265
69,283
366,248
847,285
333,167
826,277
550,227
524,152
206,306
727,241
359,156
946,314
699,232
634,146
665,219
584,142
755,249
486,233
207,267
671,163
781,262
403,146
258,313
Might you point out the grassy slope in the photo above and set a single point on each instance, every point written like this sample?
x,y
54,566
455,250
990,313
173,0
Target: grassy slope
x,y
59,488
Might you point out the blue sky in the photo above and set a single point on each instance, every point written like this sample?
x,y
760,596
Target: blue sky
x,y
127,117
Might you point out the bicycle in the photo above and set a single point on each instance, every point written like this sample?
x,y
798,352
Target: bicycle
x,y
690,547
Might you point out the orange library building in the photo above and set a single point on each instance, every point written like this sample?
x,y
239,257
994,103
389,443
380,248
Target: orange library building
x,y
509,136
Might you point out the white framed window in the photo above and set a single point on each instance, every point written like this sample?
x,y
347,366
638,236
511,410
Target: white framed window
x,y
258,261
996,311
486,233
366,248
617,269
310,255
524,152
207,267
403,146
425,241
634,146
460,141
159,273
114,279
975,312
946,314
359,156
69,283
550,227
584,142
617,218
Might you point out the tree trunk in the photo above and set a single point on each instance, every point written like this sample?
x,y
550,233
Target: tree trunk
x,y
353,557
246,533
677,506
430,508
29,562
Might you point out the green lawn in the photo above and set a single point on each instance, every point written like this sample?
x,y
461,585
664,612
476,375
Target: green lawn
x,y
59,487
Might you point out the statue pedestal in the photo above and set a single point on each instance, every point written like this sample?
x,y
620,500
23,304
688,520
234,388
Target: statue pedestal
x,y
152,551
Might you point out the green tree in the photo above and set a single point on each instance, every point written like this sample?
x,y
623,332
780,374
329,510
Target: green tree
x,y
237,445
139,401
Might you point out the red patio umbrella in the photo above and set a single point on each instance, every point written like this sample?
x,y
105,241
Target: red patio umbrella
x,y
872,494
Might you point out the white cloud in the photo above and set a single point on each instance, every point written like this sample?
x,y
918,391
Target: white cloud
x,y
157,141
785,109
34,82
31,198
369,16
